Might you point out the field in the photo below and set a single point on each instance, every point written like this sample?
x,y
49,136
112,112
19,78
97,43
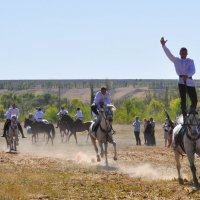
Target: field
x,y
70,171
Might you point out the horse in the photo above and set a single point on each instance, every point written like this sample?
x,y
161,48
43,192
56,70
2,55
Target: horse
x,y
74,126
187,143
40,127
63,127
12,134
104,133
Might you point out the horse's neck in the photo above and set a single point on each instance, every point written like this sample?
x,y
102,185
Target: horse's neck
x,y
105,124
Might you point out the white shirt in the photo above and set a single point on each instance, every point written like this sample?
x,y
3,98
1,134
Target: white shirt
x,y
102,98
136,125
62,112
39,115
182,66
79,115
11,112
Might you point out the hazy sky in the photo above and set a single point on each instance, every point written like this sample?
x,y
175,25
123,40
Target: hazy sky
x,y
91,39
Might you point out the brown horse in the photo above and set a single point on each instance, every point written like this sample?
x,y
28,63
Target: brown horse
x,y
66,122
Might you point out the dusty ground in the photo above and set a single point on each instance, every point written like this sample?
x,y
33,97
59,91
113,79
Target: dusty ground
x,y
70,171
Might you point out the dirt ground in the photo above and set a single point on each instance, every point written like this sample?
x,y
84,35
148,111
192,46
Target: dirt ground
x,y
141,172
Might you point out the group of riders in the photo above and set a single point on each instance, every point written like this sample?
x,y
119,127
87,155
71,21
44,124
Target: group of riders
x,y
184,67
102,97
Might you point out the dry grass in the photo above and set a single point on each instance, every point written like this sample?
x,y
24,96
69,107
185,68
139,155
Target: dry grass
x,y
68,171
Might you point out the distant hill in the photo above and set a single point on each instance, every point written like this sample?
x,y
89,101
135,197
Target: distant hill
x,y
119,88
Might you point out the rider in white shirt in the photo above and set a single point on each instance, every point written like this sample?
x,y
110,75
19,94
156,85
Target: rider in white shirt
x,y
60,114
185,69
79,114
39,115
62,111
102,97
13,111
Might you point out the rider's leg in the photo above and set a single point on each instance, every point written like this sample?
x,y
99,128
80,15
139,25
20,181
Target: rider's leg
x,y
193,98
20,129
94,109
6,127
182,92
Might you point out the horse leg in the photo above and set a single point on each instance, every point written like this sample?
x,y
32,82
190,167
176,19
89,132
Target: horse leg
x,y
190,156
101,147
75,137
95,148
115,150
50,136
178,166
70,135
106,153
87,137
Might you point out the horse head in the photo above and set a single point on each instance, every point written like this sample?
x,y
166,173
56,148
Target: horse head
x,y
107,112
14,121
193,125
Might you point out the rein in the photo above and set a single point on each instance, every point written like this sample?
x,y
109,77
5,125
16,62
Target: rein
x,y
107,125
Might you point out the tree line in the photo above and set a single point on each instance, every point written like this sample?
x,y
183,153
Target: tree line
x,y
152,105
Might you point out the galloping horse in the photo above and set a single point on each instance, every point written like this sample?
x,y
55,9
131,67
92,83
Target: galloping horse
x,y
104,133
189,143
66,122
12,134
40,127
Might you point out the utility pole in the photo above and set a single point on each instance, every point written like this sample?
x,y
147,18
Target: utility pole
x,y
59,101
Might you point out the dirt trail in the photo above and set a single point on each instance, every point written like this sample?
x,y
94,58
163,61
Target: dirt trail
x,y
135,161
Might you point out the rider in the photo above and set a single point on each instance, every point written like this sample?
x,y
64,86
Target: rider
x,y
79,114
39,115
185,69
102,97
12,111
60,114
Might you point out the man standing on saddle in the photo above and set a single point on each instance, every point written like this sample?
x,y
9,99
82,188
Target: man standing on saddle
x,y
185,69
39,115
60,114
102,97
12,111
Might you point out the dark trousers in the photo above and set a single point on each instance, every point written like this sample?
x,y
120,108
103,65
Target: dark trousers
x,y
137,137
191,91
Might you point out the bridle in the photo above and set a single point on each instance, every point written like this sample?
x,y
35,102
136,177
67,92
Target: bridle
x,y
105,115
192,122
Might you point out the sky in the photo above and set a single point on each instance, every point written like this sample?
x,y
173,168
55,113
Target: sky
x,y
96,39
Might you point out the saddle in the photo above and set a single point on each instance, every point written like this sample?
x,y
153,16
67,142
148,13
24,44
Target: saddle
x,y
178,139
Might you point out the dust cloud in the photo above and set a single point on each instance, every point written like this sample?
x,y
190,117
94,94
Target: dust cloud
x,y
84,153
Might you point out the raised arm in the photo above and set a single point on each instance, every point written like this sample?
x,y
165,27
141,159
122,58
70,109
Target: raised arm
x,y
166,50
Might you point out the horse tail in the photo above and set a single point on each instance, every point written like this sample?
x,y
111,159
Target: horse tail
x,y
53,131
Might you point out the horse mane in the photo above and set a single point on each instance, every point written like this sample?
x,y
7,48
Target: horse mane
x,y
67,117
179,119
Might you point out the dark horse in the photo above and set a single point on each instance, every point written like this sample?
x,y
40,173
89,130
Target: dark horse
x,y
63,127
40,127
66,122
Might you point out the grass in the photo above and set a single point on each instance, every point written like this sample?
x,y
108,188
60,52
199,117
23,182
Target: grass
x,y
24,176
72,181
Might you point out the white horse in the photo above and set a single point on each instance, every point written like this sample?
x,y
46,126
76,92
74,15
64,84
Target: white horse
x,y
188,144
104,133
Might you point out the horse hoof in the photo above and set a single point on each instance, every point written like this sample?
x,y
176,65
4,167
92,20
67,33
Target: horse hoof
x,y
180,180
115,158
98,159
